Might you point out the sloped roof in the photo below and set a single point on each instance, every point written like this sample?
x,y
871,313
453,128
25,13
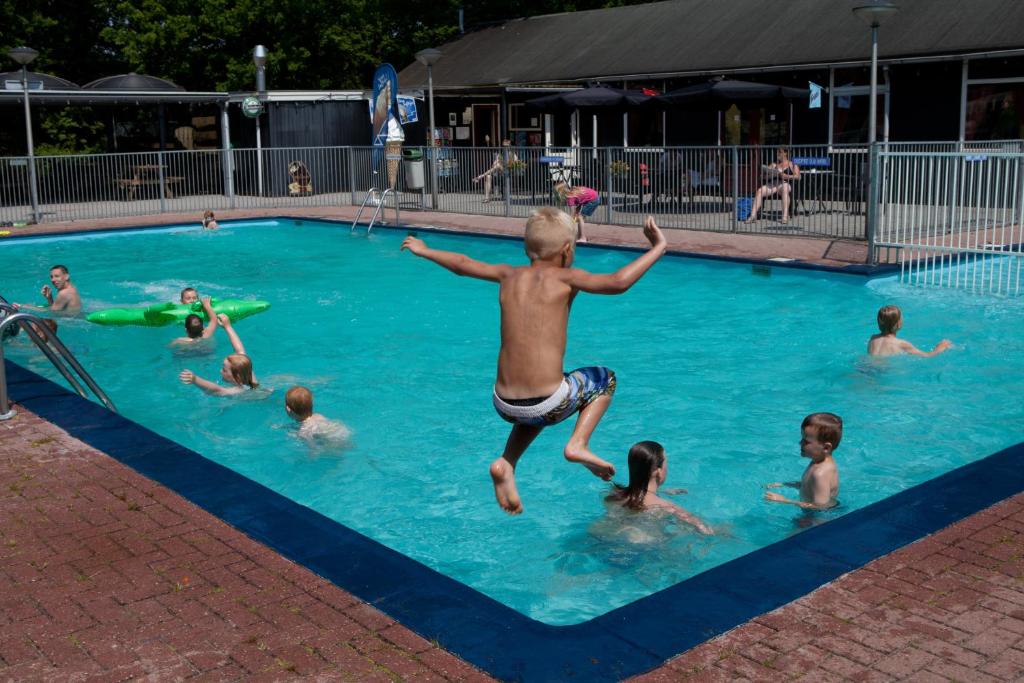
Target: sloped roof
x,y
709,36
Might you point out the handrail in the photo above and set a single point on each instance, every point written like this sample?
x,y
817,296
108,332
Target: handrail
x,y
51,346
380,206
372,192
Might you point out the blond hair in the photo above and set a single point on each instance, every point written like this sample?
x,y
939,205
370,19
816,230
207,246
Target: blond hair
x,y
889,319
299,400
548,230
241,370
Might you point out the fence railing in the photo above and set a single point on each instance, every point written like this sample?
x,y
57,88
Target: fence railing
x,y
923,200
697,188
953,219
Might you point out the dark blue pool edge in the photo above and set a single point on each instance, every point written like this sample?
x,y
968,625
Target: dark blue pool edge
x,y
624,642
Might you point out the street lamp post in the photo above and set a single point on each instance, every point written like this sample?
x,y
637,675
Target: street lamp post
x,y
24,56
428,58
259,58
873,13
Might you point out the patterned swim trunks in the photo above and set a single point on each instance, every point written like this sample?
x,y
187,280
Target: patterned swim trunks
x,y
579,388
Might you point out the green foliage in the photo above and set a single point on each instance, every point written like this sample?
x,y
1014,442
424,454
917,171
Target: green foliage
x,y
72,130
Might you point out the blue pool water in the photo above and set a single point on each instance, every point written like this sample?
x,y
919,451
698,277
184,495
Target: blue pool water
x,y
717,362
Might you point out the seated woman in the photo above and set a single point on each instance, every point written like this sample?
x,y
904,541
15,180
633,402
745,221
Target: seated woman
x,y
780,174
497,167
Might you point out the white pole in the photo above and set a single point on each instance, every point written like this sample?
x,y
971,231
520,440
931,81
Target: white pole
x,y
259,158
33,192
433,141
873,107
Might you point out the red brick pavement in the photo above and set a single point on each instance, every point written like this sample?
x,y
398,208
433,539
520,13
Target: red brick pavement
x,y
108,576
947,608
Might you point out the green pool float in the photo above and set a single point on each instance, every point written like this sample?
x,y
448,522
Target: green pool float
x,y
160,315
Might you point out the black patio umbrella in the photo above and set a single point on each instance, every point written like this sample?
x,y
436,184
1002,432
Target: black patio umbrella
x,y
48,82
136,83
727,90
132,81
594,96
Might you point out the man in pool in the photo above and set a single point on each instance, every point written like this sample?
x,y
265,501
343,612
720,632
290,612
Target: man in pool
x,y
67,301
532,391
820,434
194,326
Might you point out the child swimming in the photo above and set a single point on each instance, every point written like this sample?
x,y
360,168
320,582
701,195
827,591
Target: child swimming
x,y
648,468
313,427
885,343
820,434
236,369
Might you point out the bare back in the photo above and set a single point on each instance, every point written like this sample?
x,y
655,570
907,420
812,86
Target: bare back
x,y
535,302
886,345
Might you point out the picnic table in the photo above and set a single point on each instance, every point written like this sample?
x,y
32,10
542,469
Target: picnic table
x,y
144,175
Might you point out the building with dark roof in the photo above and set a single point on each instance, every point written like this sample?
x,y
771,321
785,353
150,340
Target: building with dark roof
x,y
949,70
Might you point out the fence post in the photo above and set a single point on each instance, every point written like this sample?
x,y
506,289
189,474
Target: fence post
x,y
350,152
871,214
506,179
606,160
161,175
733,219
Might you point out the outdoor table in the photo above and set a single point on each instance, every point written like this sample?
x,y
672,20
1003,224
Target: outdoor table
x,y
812,187
147,174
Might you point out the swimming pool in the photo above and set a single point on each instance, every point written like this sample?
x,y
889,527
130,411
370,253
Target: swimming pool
x,y
717,362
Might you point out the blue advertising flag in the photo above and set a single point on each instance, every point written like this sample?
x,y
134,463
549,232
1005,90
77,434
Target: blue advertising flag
x,y
384,102
407,110
814,101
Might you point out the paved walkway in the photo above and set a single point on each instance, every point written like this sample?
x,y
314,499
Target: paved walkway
x,y
107,576
738,245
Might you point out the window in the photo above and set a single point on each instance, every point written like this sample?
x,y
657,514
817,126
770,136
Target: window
x,y
522,118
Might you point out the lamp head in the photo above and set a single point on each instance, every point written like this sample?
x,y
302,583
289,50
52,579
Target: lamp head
x,y
259,56
22,55
876,11
429,56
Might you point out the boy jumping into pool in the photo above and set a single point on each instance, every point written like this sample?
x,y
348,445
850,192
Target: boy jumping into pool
x,y
820,434
885,343
532,391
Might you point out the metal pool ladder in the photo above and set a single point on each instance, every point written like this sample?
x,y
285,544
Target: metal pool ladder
x,y
372,192
53,348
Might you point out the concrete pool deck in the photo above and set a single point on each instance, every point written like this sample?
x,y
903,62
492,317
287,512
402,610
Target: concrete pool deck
x,y
111,576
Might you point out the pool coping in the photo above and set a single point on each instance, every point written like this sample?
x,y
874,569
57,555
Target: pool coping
x,y
626,641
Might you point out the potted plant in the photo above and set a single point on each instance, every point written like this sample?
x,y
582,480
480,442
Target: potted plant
x,y
619,171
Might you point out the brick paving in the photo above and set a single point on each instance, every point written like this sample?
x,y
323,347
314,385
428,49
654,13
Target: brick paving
x,y
829,252
110,576
947,608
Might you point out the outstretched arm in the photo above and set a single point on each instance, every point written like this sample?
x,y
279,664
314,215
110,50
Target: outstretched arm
x,y
460,264
821,496
780,484
236,341
189,377
939,348
693,521
211,316
624,278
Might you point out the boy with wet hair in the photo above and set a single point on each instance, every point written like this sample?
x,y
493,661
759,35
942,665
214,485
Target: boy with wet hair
x,y
189,295
885,343
194,325
532,390
313,427
820,434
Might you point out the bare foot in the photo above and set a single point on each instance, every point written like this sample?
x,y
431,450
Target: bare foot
x,y
600,468
504,477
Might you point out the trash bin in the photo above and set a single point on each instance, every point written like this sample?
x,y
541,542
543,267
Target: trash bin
x,y
743,208
412,159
